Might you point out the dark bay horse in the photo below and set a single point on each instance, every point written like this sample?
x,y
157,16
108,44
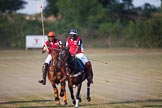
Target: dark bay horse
x,y
74,74
55,74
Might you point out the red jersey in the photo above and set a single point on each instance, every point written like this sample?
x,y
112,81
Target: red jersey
x,y
73,45
53,45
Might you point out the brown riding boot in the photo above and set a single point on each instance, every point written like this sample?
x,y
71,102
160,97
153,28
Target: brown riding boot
x,y
88,67
44,70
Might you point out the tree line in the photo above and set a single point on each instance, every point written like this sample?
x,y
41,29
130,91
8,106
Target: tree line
x,y
100,23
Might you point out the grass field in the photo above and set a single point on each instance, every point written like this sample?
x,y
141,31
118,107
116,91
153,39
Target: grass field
x,y
131,79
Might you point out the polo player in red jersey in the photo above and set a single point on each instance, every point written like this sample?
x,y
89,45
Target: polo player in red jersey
x,y
76,50
52,43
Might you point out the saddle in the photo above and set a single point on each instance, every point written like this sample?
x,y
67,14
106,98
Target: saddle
x,y
77,66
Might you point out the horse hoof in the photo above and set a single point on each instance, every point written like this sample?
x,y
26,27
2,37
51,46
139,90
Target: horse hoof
x,y
74,102
57,102
88,99
65,103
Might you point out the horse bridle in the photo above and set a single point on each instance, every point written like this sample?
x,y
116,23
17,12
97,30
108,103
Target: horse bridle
x,y
55,61
63,60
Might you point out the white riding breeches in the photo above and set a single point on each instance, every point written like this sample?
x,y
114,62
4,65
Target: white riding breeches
x,y
82,57
48,58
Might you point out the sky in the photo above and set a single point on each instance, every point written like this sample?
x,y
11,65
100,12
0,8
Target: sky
x,y
33,6
156,3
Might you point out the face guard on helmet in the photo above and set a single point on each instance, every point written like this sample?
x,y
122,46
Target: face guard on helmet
x,y
73,33
51,36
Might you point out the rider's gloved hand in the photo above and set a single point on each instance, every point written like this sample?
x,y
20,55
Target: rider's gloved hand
x,y
43,51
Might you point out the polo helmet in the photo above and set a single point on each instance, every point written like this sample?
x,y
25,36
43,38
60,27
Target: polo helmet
x,y
73,32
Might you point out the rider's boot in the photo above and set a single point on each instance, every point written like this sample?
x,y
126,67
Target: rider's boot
x,y
44,70
88,67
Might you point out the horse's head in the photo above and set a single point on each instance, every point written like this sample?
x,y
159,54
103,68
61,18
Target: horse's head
x,y
63,56
65,59
55,54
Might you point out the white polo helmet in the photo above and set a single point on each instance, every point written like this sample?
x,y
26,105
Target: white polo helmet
x,y
73,31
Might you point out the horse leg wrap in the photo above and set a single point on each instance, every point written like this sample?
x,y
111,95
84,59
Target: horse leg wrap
x,y
77,103
88,94
56,94
62,90
65,98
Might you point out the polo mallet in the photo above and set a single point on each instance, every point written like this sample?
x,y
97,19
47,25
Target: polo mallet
x,y
42,18
98,61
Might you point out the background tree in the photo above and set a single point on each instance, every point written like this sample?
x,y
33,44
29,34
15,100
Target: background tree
x,y
8,6
102,23
51,8
81,12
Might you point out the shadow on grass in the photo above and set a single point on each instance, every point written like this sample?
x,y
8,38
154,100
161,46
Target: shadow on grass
x,y
60,106
151,106
34,101
137,101
84,104
16,102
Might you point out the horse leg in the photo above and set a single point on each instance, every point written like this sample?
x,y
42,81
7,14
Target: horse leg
x,y
55,90
62,89
88,92
56,96
78,92
71,92
78,98
63,92
89,71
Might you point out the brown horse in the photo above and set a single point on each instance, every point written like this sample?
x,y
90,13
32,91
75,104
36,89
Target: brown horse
x,y
75,75
55,74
